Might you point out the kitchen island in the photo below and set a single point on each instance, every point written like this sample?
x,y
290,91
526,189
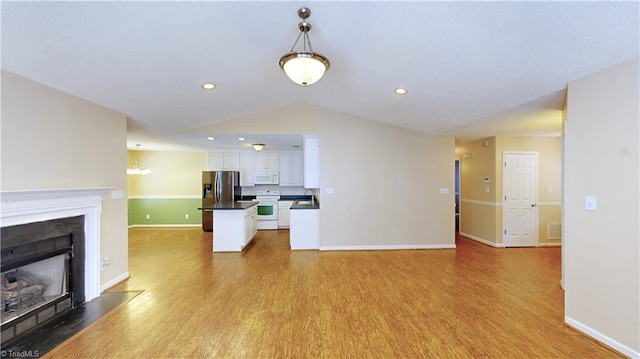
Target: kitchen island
x,y
234,225
304,230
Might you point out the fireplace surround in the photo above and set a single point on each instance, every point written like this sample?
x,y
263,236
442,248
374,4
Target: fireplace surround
x,y
70,219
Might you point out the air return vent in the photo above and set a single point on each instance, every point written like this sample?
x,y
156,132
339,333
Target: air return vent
x,y
554,230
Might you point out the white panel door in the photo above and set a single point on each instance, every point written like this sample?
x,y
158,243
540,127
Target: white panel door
x,y
520,210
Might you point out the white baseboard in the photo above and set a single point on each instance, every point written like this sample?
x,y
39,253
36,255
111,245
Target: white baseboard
x,y
388,247
114,281
549,244
602,338
483,241
164,225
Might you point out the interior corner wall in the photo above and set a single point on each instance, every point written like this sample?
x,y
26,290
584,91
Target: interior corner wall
x,y
481,203
602,247
53,140
480,210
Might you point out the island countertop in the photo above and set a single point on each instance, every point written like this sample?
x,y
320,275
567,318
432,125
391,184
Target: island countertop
x,y
229,206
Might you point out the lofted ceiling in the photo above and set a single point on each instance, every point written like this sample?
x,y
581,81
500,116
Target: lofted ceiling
x,y
472,69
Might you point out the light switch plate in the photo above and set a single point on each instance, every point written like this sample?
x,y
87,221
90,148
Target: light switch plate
x,y
444,190
329,190
590,203
117,194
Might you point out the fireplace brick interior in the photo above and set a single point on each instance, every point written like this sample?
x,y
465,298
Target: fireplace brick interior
x,y
57,244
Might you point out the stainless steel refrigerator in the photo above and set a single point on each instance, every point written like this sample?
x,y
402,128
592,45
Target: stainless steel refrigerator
x,y
218,187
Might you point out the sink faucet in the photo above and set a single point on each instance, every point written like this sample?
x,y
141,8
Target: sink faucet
x,y
313,198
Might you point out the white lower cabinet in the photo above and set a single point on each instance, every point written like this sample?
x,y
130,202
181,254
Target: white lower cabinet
x,y
284,213
234,229
305,229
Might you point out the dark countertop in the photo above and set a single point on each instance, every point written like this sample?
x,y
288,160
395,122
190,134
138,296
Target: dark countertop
x,y
315,205
229,206
295,197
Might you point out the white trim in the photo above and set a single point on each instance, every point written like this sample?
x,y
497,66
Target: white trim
x,y
187,196
164,225
481,203
550,244
549,204
602,338
483,241
114,281
27,206
388,247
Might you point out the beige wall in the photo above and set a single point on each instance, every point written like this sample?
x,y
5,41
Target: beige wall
x,y
52,140
385,178
481,211
172,173
602,248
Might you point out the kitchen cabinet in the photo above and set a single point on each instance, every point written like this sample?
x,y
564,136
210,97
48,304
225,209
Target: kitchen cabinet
x,y
305,229
234,229
291,169
222,160
311,150
284,213
266,161
247,168
250,224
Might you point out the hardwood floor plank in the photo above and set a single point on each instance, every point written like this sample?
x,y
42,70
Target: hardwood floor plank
x,y
268,302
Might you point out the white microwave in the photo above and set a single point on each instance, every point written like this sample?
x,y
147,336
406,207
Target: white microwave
x,y
270,177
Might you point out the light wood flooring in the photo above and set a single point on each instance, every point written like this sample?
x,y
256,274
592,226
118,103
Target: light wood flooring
x,y
268,302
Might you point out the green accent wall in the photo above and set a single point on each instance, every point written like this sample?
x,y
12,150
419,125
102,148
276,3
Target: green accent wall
x,y
164,211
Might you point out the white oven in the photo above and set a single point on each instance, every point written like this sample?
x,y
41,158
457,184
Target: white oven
x,y
267,209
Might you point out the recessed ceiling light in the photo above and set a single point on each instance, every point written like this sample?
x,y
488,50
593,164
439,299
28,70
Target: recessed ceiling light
x,y
240,138
211,138
208,86
400,91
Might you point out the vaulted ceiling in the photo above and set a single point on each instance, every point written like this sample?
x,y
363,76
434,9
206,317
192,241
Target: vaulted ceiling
x,y
472,69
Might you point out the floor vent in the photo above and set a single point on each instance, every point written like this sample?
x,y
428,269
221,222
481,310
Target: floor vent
x,y
554,230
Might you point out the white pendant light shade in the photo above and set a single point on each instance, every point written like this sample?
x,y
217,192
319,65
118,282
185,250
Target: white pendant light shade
x,y
304,68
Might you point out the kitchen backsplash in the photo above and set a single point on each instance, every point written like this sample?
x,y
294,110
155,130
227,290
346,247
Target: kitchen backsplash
x,y
284,190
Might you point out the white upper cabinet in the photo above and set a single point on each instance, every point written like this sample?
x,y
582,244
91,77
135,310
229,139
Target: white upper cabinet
x,y
266,161
220,160
311,149
291,169
246,168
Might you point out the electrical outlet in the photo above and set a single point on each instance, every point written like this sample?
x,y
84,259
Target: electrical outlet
x,y
148,216
186,216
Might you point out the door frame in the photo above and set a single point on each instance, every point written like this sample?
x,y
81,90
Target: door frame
x,y
536,220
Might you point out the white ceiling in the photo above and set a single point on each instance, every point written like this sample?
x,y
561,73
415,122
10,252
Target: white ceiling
x,y
473,69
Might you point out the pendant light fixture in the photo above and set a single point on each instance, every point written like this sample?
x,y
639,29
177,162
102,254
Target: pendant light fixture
x,y
258,146
135,169
304,67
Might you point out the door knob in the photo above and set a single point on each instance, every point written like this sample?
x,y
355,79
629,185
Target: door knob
x,y
533,205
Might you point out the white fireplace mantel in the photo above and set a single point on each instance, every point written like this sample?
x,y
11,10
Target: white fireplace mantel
x,y
27,206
